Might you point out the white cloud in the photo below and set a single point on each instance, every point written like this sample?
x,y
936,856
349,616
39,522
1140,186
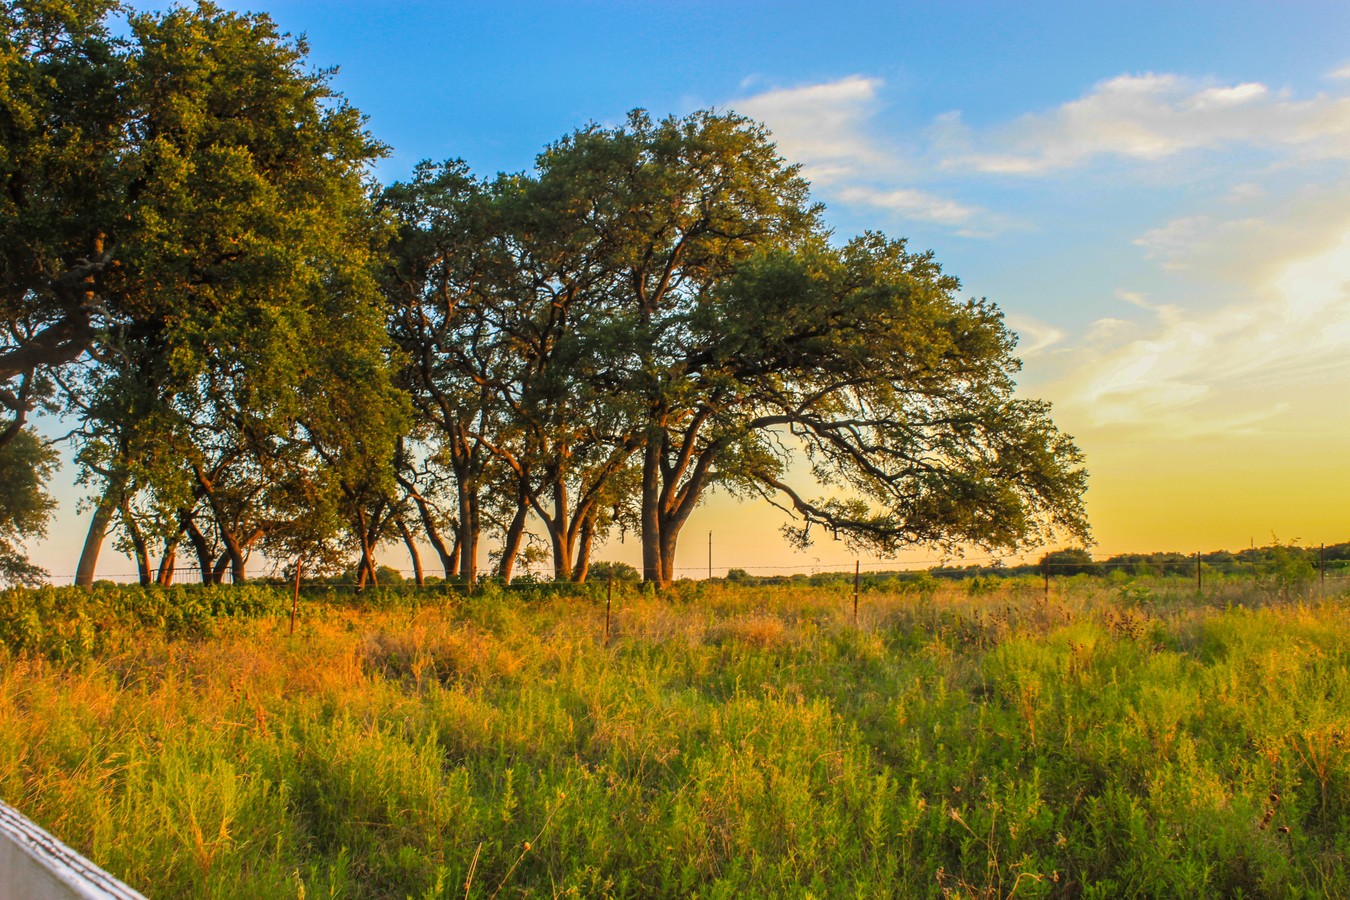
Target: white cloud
x,y
1034,336
1340,74
825,127
1154,116
820,125
1190,371
911,203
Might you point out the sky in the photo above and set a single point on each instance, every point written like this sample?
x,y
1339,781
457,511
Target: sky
x,y
1157,195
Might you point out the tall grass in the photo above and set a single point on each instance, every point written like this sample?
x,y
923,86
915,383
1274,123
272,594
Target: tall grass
x,y
977,739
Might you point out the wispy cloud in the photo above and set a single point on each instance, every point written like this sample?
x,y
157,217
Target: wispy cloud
x,y
1225,370
827,128
822,126
1034,336
1154,116
1253,302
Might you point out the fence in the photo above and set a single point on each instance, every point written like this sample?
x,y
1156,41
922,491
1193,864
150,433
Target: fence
x,y
1201,566
36,866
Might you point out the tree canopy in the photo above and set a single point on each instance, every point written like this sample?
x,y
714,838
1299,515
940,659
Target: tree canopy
x,y
263,352
188,254
655,310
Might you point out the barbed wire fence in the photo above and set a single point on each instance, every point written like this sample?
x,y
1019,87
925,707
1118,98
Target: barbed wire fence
x,y
1143,564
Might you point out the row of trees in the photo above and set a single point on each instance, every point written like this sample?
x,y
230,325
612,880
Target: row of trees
x,y
262,350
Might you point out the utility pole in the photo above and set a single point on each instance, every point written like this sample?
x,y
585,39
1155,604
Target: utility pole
x,y
710,556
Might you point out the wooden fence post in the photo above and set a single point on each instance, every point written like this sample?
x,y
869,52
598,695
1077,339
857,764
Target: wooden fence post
x,y
857,580
295,597
609,599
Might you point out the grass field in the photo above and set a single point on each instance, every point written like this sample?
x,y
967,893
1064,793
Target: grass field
x,y
1122,737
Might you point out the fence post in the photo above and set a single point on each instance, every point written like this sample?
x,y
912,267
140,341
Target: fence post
x,y
295,597
857,580
1045,570
1322,570
1199,584
609,599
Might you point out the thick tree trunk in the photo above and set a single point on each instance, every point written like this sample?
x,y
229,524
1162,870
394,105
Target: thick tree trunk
x,y
453,570
468,533
670,492
168,561
514,533
583,562
199,546
236,555
137,541
221,567
98,530
411,543
651,509
449,558
558,532
670,536
562,552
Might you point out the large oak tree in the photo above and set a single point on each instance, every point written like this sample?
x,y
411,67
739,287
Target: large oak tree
x,y
187,247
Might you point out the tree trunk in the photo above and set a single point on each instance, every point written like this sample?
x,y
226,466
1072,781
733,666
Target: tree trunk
x,y
236,553
670,536
221,566
453,570
583,561
562,552
363,527
449,558
468,533
137,541
199,546
514,533
168,561
416,557
651,509
98,530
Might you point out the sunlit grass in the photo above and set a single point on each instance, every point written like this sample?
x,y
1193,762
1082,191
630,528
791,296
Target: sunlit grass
x,y
979,739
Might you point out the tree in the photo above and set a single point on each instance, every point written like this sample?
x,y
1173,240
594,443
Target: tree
x,y
64,133
655,311
443,266
634,224
25,465
729,340
899,396
1071,561
189,223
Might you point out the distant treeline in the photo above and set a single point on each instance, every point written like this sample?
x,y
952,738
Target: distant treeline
x,y
1275,559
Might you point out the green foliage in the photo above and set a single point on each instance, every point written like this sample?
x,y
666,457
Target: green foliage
x,y
73,624
1288,571
25,465
1073,561
619,571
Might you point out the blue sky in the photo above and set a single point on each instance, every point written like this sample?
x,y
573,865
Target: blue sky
x,y
1157,194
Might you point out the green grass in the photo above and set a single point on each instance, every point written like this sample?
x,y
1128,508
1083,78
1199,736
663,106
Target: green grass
x,y
1120,738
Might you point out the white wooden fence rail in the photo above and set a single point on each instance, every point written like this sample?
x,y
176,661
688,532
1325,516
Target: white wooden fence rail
x,y
36,866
